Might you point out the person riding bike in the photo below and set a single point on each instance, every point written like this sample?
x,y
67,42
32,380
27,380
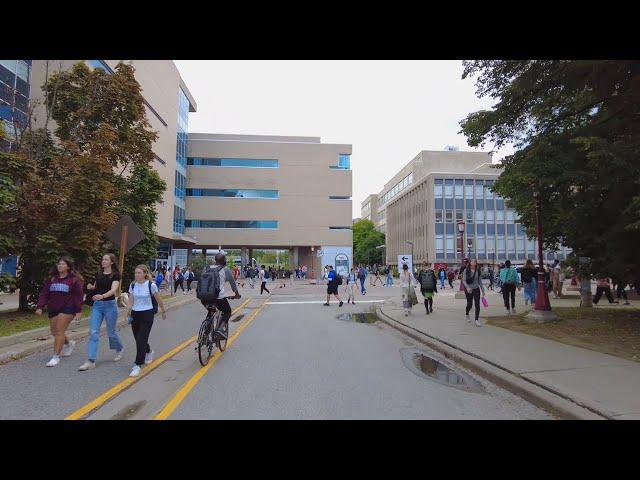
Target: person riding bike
x,y
222,304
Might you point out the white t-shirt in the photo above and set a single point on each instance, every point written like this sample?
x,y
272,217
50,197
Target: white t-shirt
x,y
141,298
261,276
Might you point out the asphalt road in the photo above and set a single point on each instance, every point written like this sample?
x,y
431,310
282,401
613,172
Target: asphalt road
x,y
287,361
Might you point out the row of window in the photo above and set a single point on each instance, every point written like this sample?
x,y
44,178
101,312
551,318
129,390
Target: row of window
x,y
480,228
178,219
181,158
480,216
232,162
260,224
180,185
401,185
229,193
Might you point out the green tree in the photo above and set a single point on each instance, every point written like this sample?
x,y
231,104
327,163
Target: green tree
x,y
365,240
576,128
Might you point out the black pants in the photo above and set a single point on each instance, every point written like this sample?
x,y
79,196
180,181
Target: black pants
x,y
509,289
428,303
141,326
222,304
451,282
600,291
473,297
179,283
621,292
263,287
189,285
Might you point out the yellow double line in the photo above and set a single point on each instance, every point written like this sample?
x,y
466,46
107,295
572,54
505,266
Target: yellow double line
x,y
112,392
181,394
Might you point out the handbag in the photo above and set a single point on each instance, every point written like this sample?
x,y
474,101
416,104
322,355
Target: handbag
x,y
412,295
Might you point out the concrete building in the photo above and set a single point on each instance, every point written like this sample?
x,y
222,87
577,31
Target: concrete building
x,y
271,192
369,209
424,202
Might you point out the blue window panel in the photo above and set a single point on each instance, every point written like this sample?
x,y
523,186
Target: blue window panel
x,y
451,256
438,204
511,230
232,162
521,229
439,228
229,193
479,204
448,181
470,228
330,197
491,229
459,181
469,203
489,204
521,256
344,161
178,219
5,112
437,181
260,224
22,86
448,203
500,204
500,227
480,229
450,228
482,256
101,65
459,204
7,76
501,256
468,181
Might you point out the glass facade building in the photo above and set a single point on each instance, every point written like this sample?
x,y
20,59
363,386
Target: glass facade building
x,y
15,79
181,163
492,230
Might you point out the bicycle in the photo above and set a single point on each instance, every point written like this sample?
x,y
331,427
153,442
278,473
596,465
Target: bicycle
x,y
206,337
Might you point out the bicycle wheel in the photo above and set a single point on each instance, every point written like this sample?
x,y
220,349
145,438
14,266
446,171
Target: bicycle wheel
x,y
205,344
221,342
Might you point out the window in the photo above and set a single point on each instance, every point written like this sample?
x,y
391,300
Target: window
x,y
480,244
438,216
510,216
101,64
438,204
448,215
501,246
511,246
511,230
480,228
261,224
469,217
458,189
180,185
232,162
490,218
178,219
491,229
339,228
479,216
458,215
344,161
211,192
450,244
439,246
499,203
448,203
520,230
450,228
336,197
479,189
499,216
500,228
459,204
448,188
437,190
468,190
439,228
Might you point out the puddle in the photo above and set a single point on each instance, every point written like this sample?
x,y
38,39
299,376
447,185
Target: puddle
x,y
358,317
426,366
129,411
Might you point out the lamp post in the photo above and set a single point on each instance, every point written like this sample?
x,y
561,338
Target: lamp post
x,y
542,310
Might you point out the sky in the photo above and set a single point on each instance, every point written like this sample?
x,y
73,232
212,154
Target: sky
x,y
387,110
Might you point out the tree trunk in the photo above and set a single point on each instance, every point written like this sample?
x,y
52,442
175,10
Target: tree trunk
x,y
585,294
23,302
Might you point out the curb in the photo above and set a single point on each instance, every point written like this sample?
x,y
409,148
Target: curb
x,y
31,343
552,402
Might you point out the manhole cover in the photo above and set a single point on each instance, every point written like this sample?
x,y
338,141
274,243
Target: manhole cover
x,y
358,317
429,367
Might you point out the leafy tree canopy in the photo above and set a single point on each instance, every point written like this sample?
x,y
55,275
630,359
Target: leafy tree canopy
x,y
365,240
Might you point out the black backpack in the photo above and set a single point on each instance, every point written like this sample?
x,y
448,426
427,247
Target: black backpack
x,y
209,285
338,279
154,302
427,281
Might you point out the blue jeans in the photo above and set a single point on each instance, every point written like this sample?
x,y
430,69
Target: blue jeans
x,y
362,289
442,283
389,280
103,309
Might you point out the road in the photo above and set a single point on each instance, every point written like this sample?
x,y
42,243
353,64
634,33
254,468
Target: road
x,y
289,357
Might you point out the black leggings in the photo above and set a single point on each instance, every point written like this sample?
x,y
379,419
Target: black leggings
x,y
263,287
428,304
600,291
473,297
620,291
509,290
178,284
141,326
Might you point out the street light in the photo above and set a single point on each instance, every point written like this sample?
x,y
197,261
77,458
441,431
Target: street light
x,y
542,310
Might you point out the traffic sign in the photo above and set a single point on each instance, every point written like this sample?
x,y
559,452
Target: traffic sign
x,y
405,259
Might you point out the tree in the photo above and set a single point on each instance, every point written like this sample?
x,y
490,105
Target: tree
x,y
576,128
365,240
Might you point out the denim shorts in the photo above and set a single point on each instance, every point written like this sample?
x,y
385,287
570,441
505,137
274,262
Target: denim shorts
x,y
66,310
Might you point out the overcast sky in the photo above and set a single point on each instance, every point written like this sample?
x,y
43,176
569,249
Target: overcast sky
x,y
388,110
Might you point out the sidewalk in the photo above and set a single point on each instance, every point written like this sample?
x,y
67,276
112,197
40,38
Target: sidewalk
x,y
606,385
13,347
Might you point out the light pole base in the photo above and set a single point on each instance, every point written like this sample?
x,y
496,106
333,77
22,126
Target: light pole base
x,y
541,316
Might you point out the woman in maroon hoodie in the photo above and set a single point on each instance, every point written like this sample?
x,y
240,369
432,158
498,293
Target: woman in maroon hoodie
x,y
62,295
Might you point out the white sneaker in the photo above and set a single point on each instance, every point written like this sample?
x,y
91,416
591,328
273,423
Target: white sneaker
x,y
478,324
135,371
148,358
55,360
119,355
68,348
86,366
468,318
513,310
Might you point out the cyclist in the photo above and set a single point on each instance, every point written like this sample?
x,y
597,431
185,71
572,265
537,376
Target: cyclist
x,y
222,304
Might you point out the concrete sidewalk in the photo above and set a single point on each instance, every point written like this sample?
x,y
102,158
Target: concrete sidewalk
x,y
603,384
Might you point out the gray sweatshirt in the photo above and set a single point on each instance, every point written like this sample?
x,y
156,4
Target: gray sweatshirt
x,y
475,282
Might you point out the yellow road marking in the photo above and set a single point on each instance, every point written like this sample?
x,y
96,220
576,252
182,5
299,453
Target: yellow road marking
x,y
112,392
180,395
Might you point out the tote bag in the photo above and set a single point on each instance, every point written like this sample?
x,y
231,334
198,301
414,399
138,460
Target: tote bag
x,y
412,294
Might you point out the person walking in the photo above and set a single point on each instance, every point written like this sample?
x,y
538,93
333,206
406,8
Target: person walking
x,y
407,282
178,279
262,276
450,276
274,274
281,277
389,273
529,280
333,282
472,281
443,277
491,279
362,276
603,286
188,276
159,278
377,274
352,278
509,280
141,310
304,272
103,293
620,288
62,295
556,282
428,285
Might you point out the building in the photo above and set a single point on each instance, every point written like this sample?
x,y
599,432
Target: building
x,y
427,199
270,192
369,209
15,86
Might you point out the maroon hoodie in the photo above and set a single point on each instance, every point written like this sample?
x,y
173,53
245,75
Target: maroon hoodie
x,y
60,293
